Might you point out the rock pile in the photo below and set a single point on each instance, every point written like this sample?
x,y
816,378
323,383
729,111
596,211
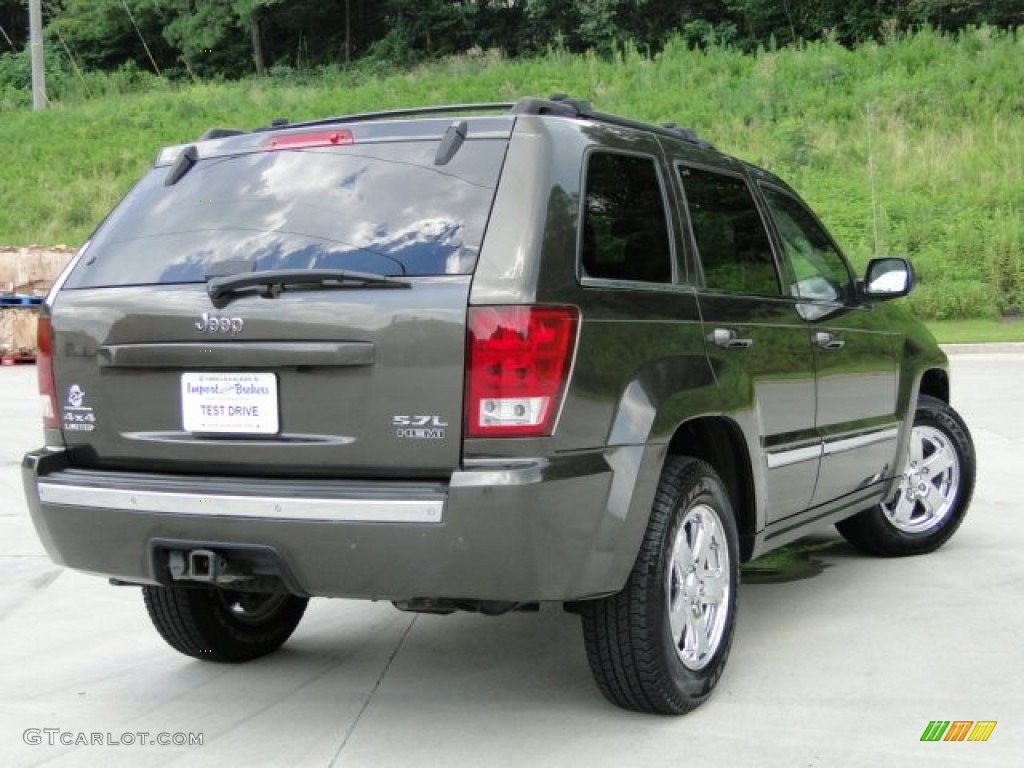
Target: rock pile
x,y
25,271
30,270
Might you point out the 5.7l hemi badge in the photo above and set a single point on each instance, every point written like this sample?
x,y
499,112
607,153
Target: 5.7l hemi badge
x,y
419,427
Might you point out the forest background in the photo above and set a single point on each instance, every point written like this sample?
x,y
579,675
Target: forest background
x,y
901,121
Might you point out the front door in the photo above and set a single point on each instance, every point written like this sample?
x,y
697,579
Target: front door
x,y
856,356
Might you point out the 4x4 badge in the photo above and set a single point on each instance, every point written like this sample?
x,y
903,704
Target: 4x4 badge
x,y
78,417
218,324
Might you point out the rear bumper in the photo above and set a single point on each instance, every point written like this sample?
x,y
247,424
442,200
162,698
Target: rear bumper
x,y
524,530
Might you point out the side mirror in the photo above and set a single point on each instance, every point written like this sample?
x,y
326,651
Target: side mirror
x,y
888,278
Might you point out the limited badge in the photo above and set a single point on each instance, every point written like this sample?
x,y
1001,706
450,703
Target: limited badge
x,y
78,417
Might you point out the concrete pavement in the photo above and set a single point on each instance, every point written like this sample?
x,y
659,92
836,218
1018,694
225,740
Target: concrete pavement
x,y
842,668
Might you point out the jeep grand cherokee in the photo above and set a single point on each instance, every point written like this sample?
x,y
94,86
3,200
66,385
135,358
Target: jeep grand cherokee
x,y
479,358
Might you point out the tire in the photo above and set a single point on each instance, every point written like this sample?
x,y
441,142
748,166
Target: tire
x,y
220,624
644,643
935,489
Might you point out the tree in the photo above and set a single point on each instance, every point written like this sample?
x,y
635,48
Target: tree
x,y
209,37
104,34
233,38
251,12
213,35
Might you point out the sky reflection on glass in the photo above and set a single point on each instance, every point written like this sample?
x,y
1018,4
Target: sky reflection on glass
x,y
384,208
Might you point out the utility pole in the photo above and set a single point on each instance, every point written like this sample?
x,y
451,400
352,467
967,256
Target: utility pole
x,y
35,33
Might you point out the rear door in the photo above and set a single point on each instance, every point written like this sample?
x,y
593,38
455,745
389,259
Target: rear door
x,y
355,378
756,340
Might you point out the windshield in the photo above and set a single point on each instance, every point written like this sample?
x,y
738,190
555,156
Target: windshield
x,y
380,208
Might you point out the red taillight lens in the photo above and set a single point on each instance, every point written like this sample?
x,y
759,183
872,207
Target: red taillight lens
x,y
44,369
517,364
305,140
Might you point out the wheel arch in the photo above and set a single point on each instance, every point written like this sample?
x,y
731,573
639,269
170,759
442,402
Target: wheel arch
x,y
935,383
719,441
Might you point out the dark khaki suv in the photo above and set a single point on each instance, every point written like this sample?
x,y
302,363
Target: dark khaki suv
x,y
479,358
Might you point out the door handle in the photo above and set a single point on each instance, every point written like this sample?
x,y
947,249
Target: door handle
x,y
726,338
827,340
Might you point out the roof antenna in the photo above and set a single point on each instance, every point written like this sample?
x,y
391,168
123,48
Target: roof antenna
x,y
871,176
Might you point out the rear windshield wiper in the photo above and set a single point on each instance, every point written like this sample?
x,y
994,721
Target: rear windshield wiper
x,y
273,281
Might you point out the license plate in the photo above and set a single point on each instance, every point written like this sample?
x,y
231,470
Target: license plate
x,y
229,403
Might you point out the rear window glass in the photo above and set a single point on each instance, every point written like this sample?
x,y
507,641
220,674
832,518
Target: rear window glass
x,y
381,208
625,226
731,238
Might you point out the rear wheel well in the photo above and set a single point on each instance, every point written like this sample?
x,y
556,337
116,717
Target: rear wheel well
x,y
720,443
935,383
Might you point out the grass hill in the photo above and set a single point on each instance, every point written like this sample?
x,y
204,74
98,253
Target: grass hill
x,y
914,147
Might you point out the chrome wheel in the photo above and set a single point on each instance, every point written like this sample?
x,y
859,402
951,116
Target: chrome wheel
x,y
698,587
935,489
929,485
661,643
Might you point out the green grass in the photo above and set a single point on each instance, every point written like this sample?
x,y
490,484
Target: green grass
x,y
976,331
913,148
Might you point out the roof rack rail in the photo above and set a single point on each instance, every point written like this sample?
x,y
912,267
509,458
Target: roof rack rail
x,y
446,109
561,104
274,124
688,134
558,104
219,133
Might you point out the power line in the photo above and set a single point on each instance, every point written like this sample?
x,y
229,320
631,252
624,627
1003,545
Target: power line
x,y
74,64
4,33
49,11
143,39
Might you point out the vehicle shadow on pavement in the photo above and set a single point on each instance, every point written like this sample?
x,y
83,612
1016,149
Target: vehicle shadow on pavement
x,y
446,661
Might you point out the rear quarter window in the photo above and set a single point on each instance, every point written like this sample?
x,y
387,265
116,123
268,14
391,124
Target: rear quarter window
x,y
625,224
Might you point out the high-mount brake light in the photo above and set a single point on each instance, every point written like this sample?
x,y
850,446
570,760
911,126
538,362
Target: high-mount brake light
x,y
307,140
517,365
44,370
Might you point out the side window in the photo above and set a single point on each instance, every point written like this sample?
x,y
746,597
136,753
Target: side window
x,y
625,226
731,239
820,270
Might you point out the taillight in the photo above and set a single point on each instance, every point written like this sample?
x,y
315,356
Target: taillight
x,y
517,364
44,369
